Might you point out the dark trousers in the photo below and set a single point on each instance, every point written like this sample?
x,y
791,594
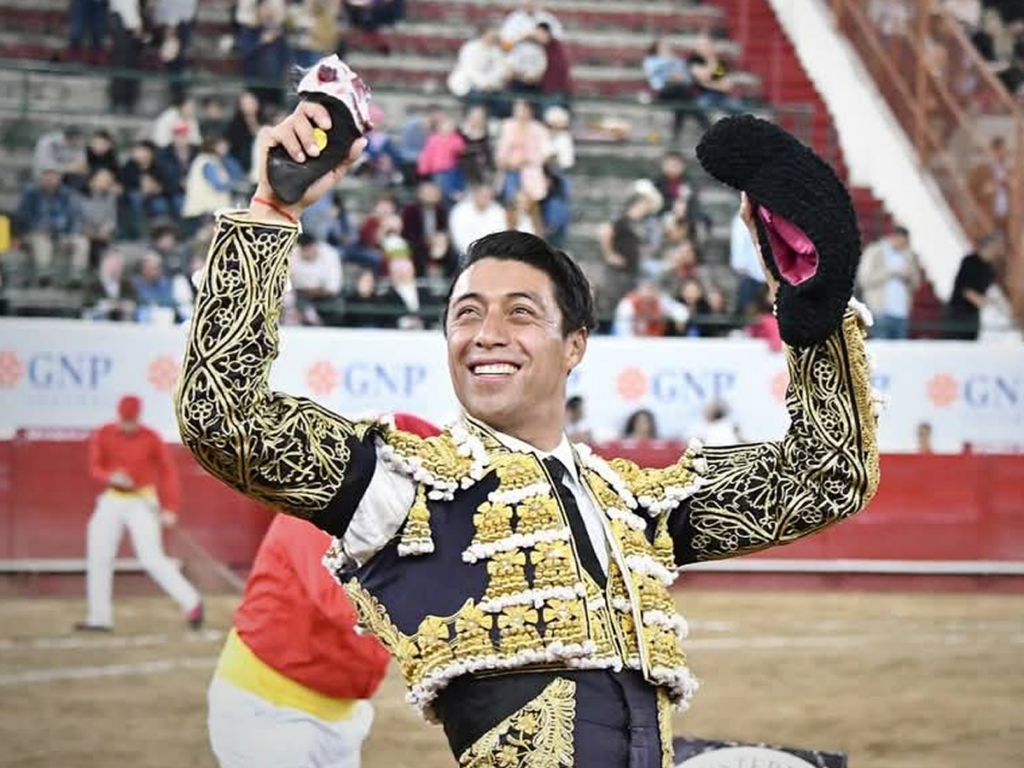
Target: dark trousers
x,y
681,93
88,21
615,723
124,91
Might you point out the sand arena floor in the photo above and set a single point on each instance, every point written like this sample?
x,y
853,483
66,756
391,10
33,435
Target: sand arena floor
x,y
897,681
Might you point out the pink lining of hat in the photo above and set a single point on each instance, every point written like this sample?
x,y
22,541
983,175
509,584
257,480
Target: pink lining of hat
x,y
795,254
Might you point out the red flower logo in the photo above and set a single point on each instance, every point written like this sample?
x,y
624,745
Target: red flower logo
x,y
321,378
943,390
10,369
163,374
326,74
779,383
631,384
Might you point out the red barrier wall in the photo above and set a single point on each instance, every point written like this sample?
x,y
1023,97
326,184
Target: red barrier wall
x,y
967,507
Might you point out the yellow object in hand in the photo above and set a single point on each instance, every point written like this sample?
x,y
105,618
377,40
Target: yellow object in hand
x,y
320,137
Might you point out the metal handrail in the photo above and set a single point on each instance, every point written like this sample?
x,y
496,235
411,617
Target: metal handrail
x,y
916,92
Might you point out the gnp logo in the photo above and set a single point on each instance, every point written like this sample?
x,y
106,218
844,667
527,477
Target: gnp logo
x,y
365,379
163,373
11,370
51,372
674,385
979,391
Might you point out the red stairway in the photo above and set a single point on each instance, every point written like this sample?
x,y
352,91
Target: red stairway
x,y
766,51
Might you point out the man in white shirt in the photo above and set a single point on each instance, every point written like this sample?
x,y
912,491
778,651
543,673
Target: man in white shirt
x,y
476,215
745,263
481,68
316,269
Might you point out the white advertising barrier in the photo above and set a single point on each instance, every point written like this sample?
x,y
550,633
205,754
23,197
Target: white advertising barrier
x,y
69,374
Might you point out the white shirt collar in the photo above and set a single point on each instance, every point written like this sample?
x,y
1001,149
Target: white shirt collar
x,y
563,452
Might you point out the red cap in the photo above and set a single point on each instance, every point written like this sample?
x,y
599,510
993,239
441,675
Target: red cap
x,y
129,407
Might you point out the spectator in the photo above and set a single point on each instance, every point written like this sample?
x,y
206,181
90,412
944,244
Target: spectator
x,y
89,24
527,63
989,181
762,323
481,71
394,247
212,178
173,20
691,295
99,212
556,210
523,147
126,34
179,116
315,275
383,157
996,321
313,30
563,148
144,194
523,214
51,218
101,153
264,52
476,161
370,233
746,263
888,276
411,139
476,215
422,221
713,84
717,323
673,83
440,159
160,300
172,165
718,428
62,150
241,131
676,187
109,294
641,426
577,428
653,230
404,297
361,307
646,311
175,255
621,244
974,278
556,83
1013,75
370,15
680,265
523,21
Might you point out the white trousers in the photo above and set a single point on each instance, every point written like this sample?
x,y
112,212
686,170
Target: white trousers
x,y
249,732
140,514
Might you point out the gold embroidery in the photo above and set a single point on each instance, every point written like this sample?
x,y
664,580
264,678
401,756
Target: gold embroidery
x,y
825,469
416,537
540,735
668,753
284,451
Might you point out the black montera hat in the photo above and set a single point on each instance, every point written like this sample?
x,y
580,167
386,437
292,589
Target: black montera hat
x,y
805,221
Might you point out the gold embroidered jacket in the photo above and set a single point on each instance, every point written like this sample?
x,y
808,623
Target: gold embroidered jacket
x,y
483,576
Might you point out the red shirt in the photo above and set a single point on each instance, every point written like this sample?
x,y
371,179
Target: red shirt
x,y
141,454
297,619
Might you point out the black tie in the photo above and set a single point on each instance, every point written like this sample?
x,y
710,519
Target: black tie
x,y
584,546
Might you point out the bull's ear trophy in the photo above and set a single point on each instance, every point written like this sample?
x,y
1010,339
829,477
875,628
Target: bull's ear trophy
x,y
806,225
330,82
